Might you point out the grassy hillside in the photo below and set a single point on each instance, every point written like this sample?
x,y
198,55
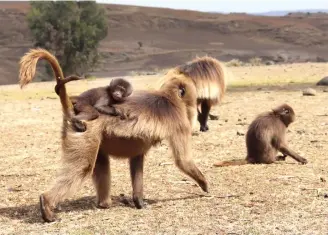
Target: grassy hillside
x,y
170,37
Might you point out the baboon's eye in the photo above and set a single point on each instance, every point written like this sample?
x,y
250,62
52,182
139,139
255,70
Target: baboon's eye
x,y
182,91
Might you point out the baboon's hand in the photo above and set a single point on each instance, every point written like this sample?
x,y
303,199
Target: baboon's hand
x,y
204,186
303,161
79,125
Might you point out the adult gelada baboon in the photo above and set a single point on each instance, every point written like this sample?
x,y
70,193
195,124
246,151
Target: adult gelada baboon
x,y
266,136
167,113
210,78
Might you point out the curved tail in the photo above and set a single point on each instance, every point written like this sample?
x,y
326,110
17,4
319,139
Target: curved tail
x,y
27,71
238,162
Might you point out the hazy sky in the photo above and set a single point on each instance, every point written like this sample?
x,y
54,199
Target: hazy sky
x,y
229,5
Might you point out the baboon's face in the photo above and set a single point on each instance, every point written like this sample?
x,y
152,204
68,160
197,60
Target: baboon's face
x,y
286,114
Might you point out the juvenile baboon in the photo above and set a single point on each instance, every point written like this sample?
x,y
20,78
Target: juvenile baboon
x,y
210,79
90,103
165,114
266,136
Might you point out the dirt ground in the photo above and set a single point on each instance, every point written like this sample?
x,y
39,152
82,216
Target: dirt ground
x,y
282,198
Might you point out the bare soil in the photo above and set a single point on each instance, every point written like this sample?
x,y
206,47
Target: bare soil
x,y
282,198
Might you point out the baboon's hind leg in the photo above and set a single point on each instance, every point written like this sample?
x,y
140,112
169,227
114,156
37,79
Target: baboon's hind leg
x,y
77,165
102,180
136,171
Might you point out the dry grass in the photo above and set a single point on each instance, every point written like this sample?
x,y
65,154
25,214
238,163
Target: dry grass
x,y
282,198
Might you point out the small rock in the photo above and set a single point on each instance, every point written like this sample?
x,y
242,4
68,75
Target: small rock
x,y
240,133
325,90
323,82
309,92
269,62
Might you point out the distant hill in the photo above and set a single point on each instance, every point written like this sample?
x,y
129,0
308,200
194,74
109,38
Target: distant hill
x,y
284,13
170,37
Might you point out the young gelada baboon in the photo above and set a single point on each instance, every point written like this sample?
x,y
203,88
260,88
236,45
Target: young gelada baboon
x,y
90,103
266,136
210,78
153,116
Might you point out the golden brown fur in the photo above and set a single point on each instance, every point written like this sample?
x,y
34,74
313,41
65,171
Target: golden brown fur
x,y
210,79
266,136
151,117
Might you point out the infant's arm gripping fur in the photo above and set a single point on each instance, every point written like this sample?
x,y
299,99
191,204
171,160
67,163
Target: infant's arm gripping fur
x,y
62,82
27,71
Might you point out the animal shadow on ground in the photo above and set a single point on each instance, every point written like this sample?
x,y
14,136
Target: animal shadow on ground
x,y
31,213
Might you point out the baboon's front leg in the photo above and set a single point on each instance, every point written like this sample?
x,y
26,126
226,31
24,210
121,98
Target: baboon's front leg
x,y
136,170
181,148
102,180
287,151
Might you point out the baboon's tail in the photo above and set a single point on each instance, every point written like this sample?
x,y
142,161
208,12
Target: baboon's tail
x,y
27,71
238,162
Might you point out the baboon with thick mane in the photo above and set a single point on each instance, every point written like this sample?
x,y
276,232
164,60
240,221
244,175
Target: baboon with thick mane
x,y
210,78
167,113
266,136
90,103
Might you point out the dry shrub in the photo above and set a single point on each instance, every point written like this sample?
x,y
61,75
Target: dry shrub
x,y
234,63
256,61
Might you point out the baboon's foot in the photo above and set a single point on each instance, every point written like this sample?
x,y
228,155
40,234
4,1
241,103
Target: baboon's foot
x,y
204,128
46,211
138,202
104,204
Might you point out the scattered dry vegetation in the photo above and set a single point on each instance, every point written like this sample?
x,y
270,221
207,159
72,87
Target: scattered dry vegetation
x,y
283,198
